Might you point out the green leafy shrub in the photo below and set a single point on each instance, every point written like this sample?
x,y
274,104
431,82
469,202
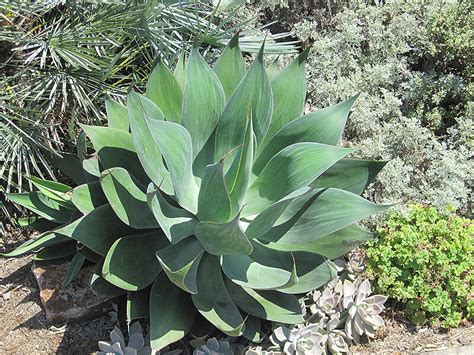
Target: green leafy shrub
x,y
426,260
223,202
416,106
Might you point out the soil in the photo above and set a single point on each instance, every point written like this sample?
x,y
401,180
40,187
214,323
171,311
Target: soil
x,y
23,325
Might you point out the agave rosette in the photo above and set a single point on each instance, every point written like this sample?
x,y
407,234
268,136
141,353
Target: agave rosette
x,y
209,197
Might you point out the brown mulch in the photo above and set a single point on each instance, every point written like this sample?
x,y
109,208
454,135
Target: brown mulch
x,y
23,325
399,335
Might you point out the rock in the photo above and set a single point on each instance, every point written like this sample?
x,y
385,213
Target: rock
x,y
73,303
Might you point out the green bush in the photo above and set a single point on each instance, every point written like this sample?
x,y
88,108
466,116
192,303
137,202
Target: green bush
x,y
410,61
211,196
425,260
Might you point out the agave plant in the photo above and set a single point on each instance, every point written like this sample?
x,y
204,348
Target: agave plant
x,y
209,196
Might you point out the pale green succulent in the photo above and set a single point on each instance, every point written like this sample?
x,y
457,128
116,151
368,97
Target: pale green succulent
x,y
118,345
305,340
214,347
363,311
209,196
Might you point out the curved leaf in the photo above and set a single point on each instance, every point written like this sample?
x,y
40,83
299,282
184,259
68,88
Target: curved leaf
x,y
73,269
38,224
223,238
115,149
176,223
180,262
131,263
213,300
117,115
175,144
263,269
138,304
70,165
289,94
213,200
203,102
43,206
171,313
292,168
101,286
97,230
270,305
332,245
352,175
324,126
127,198
87,197
313,215
57,251
253,96
230,66
164,90
43,241
140,109
54,190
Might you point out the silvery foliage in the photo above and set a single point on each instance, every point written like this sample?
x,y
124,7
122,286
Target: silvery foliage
x,y
118,345
338,316
371,50
214,347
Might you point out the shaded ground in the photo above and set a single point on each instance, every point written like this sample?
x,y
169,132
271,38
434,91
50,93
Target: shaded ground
x,y
23,325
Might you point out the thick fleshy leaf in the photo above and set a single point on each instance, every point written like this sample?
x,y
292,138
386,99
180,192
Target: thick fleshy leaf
x,y
289,94
324,126
263,269
43,206
175,144
352,175
73,270
88,253
332,245
131,263
54,190
140,109
213,300
213,201
164,90
317,214
70,165
176,223
252,98
180,262
35,223
253,327
117,115
57,251
101,286
240,173
291,169
87,197
91,169
204,101
180,69
171,313
97,230
127,197
138,304
230,66
313,272
223,238
115,149
270,305
43,241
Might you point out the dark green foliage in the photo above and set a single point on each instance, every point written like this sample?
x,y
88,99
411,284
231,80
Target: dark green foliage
x,y
426,260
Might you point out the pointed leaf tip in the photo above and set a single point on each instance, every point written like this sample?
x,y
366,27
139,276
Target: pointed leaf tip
x,y
234,42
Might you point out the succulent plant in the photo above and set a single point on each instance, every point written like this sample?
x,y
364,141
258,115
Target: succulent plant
x,y
209,196
299,340
355,263
117,344
214,347
336,341
363,311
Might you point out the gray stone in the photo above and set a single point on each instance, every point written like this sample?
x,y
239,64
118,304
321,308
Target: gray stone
x,y
75,302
